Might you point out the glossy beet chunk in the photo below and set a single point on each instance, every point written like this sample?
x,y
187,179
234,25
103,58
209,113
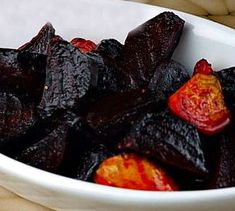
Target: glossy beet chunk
x,y
90,160
48,153
22,72
168,77
40,43
167,139
149,44
68,78
224,172
15,118
115,114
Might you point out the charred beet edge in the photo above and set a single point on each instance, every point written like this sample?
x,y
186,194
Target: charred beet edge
x,y
148,45
224,171
114,114
167,139
168,77
22,72
68,78
48,153
15,118
40,43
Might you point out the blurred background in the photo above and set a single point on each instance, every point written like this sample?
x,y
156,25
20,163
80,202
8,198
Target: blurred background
x,y
222,11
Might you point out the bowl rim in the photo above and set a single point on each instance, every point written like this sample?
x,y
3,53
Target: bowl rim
x,y
78,188
103,193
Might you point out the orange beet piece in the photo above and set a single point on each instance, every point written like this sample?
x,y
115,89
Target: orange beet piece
x,y
200,102
203,67
133,172
84,45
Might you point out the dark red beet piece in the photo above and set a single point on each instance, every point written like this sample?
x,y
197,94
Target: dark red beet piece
x,y
48,153
116,113
224,173
109,49
90,160
105,78
167,139
15,118
40,43
110,78
68,78
168,77
149,44
22,72
227,81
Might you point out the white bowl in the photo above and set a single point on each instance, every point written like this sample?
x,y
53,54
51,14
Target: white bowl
x,y
20,20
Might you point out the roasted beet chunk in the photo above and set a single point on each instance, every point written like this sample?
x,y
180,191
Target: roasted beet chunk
x,y
15,118
22,72
90,160
40,43
110,77
227,80
114,114
83,45
168,77
224,173
109,49
167,139
67,79
48,153
104,76
148,45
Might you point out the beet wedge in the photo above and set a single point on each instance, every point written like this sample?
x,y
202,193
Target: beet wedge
x,y
168,77
168,139
68,78
224,173
227,81
16,118
115,114
90,160
22,72
149,44
40,43
48,153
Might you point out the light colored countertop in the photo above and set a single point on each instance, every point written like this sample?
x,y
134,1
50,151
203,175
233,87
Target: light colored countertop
x,y
11,202
222,11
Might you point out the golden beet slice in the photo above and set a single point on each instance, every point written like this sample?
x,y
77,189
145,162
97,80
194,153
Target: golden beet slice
x,y
133,172
200,102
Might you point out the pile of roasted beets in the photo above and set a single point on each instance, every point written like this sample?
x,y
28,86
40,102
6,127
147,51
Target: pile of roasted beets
x,y
122,115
